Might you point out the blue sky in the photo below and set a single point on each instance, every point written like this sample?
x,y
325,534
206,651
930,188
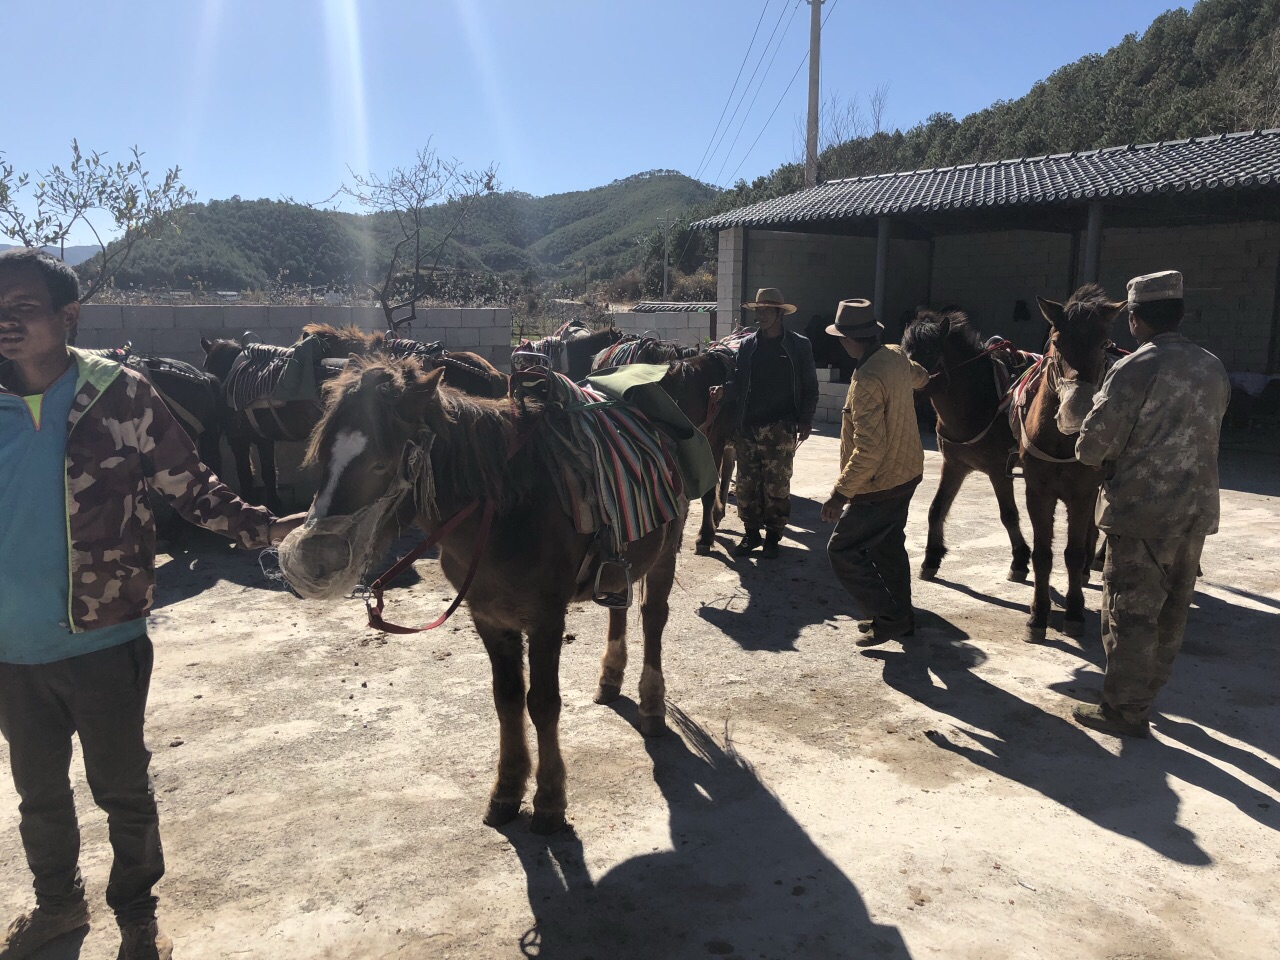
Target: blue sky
x,y
272,98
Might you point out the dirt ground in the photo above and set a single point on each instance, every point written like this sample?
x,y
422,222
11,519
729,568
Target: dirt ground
x,y
321,786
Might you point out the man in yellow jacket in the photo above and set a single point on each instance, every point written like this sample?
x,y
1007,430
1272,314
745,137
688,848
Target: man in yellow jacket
x,y
881,463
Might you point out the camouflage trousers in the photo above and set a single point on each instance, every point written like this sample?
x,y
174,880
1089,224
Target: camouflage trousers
x,y
766,457
1147,586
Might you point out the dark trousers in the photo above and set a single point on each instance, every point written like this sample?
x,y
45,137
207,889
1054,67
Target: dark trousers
x,y
868,554
102,697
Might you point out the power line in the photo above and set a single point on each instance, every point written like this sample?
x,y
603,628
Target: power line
x,y
728,153
747,88
727,100
803,61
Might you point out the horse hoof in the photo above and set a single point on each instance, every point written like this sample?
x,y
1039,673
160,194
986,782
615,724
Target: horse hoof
x,y
607,693
501,811
928,573
1035,634
653,726
1017,576
1073,628
703,549
547,823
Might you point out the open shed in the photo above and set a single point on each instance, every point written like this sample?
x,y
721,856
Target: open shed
x,y
990,237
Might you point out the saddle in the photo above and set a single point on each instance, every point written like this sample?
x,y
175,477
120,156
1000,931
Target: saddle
x,y
267,376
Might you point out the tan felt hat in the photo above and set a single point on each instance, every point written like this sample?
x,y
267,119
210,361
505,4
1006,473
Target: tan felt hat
x,y
855,319
770,297
1166,285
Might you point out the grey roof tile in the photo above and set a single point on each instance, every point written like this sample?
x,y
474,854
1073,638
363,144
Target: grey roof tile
x,y
1230,161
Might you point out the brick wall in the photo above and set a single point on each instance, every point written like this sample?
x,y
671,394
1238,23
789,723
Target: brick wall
x,y
691,328
176,331
1229,273
831,398
729,267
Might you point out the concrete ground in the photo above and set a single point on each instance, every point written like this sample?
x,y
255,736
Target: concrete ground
x,y
321,786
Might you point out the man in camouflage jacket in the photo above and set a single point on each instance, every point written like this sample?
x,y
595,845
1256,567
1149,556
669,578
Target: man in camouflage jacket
x,y
1154,430
83,441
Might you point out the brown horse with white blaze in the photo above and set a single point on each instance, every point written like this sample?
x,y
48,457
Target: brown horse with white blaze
x,y
1046,428
394,447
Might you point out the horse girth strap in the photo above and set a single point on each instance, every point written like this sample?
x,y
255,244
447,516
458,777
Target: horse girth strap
x,y
378,586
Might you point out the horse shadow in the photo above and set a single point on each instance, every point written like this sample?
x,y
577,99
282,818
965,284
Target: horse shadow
x,y
742,879
777,599
1055,756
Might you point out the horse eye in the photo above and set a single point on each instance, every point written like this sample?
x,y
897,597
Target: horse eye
x,y
378,467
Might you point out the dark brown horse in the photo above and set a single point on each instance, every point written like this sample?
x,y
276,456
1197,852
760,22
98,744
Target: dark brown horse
x,y
688,383
294,420
1046,422
632,349
385,423
967,389
569,350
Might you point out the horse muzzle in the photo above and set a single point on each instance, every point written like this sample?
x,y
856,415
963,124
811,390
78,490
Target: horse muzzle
x,y
320,566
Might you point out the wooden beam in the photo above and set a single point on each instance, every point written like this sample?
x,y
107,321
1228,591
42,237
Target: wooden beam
x,y
1273,350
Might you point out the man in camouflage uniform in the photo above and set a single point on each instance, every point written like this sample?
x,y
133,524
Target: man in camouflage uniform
x,y
775,386
83,441
1154,430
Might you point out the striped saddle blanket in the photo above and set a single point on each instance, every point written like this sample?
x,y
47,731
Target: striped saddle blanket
x,y
617,471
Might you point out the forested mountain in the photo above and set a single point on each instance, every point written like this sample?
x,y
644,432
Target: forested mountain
x,y
1213,69
252,244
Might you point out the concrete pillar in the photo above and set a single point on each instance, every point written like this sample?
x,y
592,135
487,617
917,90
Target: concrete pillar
x,y
731,275
1093,244
882,266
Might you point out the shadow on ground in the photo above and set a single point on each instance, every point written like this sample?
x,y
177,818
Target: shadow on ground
x,y
744,880
1010,737
777,599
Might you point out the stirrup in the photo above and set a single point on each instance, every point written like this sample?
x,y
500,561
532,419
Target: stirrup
x,y
608,598
1011,466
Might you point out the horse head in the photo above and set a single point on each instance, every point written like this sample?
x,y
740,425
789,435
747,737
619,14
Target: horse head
x,y
1080,330
372,448
220,356
940,341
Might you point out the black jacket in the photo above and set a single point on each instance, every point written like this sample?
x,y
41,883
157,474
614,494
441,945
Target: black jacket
x,y
804,376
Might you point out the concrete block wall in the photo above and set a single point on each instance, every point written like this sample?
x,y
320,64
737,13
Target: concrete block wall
x,y
175,331
987,274
729,268
831,398
816,272
691,328
1229,274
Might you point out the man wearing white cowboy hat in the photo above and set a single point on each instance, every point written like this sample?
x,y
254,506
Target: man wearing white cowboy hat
x,y
881,463
1154,430
775,385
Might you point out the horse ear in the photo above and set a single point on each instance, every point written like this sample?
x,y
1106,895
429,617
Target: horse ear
x,y
945,327
1052,311
412,405
206,345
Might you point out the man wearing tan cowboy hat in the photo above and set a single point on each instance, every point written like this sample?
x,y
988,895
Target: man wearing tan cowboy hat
x,y
1154,430
881,463
775,386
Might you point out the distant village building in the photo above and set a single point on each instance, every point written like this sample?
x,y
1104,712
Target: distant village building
x,y
989,237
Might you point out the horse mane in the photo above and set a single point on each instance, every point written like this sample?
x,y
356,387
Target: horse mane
x,y
473,435
345,340
925,332
1086,303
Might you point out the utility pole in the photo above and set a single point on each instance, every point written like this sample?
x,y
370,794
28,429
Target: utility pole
x,y
666,259
811,131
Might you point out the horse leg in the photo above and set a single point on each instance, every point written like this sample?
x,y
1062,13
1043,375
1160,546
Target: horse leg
x,y
953,475
1003,487
267,460
1041,505
506,657
653,618
713,504
544,710
613,666
1091,550
1077,556
244,466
